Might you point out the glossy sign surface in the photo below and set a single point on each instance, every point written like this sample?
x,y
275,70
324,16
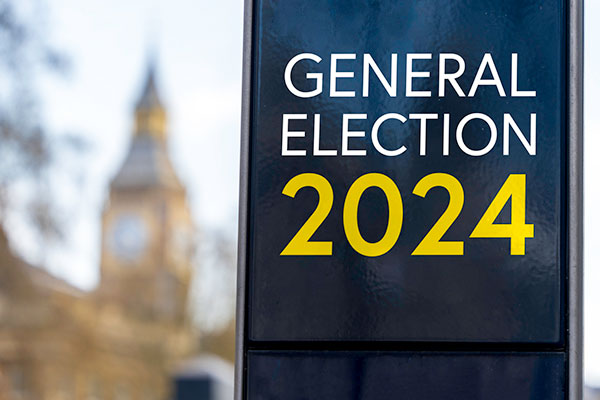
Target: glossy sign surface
x,y
370,376
487,289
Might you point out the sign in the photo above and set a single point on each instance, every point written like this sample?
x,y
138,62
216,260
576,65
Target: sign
x,y
408,200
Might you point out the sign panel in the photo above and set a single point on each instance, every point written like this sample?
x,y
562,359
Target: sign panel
x,y
406,175
407,180
431,376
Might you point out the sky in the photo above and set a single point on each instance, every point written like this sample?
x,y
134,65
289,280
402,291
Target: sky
x,y
592,192
198,46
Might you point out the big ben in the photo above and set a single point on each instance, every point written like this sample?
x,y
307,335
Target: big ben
x,y
147,228
123,339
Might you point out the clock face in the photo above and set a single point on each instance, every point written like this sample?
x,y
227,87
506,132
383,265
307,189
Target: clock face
x,y
128,237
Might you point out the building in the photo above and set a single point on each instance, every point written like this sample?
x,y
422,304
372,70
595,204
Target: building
x,y
122,340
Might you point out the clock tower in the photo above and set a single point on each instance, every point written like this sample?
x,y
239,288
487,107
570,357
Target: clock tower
x,y
147,230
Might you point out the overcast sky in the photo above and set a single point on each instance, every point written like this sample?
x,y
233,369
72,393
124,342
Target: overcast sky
x,y
198,46
592,191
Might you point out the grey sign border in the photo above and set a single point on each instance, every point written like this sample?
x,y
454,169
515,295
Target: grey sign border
x,y
243,213
574,198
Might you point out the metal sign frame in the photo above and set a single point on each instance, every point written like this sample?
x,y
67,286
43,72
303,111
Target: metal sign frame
x,y
573,200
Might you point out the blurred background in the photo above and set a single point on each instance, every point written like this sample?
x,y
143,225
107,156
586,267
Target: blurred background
x,y
119,148
591,128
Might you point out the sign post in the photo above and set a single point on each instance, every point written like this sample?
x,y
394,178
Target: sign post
x,y
410,217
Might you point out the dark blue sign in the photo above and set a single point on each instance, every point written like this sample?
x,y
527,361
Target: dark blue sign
x,y
407,188
275,375
467,98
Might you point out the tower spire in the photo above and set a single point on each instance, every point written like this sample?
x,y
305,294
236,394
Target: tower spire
x,y
150,114
147,164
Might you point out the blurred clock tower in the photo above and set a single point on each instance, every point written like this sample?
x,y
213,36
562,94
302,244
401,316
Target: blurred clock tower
x,y
147,230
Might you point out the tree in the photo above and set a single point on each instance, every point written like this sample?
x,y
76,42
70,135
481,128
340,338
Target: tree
x,y
213,300
26,153
213,305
